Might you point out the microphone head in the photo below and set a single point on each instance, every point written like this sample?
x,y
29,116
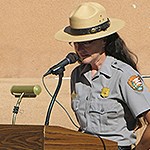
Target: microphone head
x,y
72,57
28,90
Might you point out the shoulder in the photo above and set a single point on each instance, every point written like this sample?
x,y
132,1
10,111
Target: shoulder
x,y
127,73
124,68
130,78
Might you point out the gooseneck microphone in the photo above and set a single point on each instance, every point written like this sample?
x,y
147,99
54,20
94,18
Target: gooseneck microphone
x,y
58,70
70,59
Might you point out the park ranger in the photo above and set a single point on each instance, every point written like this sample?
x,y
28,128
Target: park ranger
x,y
108,93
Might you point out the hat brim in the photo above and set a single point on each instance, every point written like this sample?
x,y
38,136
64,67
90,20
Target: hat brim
x,y
115,25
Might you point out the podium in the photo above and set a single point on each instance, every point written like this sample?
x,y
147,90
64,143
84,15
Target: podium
x,y
39,137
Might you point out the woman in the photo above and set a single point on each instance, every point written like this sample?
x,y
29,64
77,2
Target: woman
x,y
108,93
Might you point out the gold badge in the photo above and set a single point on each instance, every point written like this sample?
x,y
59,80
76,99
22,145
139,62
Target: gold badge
x,y
73,95
135,83
105,92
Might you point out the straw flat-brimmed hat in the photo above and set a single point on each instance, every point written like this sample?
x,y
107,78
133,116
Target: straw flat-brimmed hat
x,y
89,21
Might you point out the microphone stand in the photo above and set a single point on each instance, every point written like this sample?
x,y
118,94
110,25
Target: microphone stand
x,y
59,72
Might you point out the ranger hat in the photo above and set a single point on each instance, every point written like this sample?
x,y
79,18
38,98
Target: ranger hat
x,y
89,21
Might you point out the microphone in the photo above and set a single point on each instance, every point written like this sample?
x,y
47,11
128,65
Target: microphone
x,y
70,59
28,90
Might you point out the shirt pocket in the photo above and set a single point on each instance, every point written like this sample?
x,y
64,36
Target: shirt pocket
x,y
103,116
79,108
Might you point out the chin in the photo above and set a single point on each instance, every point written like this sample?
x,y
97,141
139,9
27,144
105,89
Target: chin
x,y
86,60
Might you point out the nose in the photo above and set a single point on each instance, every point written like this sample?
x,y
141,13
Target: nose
x,y
79,46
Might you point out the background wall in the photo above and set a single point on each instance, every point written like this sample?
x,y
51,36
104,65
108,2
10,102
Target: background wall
x,y
27,28
28,49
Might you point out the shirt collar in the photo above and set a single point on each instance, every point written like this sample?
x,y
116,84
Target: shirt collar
x,y
106,66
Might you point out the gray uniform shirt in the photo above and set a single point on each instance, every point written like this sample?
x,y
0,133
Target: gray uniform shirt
x,y
109,103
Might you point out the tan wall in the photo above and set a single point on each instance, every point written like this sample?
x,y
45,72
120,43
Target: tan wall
x,y
27,28
28,49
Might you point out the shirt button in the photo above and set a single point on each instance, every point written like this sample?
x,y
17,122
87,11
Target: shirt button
x,y
102,110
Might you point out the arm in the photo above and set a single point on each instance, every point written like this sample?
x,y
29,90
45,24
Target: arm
x,y
145,139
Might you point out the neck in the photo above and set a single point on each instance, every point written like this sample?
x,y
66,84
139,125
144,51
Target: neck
x,y
98,63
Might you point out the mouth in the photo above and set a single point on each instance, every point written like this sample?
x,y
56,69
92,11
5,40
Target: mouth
x,y
84,57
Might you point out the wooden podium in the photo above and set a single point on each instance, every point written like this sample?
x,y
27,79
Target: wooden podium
x,y
38,137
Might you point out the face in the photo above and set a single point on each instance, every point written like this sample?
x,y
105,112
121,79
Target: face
x,y
90,51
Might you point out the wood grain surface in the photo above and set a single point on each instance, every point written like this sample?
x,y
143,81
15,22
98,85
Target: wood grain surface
x,y
33,137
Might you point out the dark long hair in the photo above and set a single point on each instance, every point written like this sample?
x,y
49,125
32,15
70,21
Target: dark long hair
x,y
117,48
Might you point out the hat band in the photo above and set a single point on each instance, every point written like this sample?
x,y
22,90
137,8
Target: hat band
x,y
92,30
